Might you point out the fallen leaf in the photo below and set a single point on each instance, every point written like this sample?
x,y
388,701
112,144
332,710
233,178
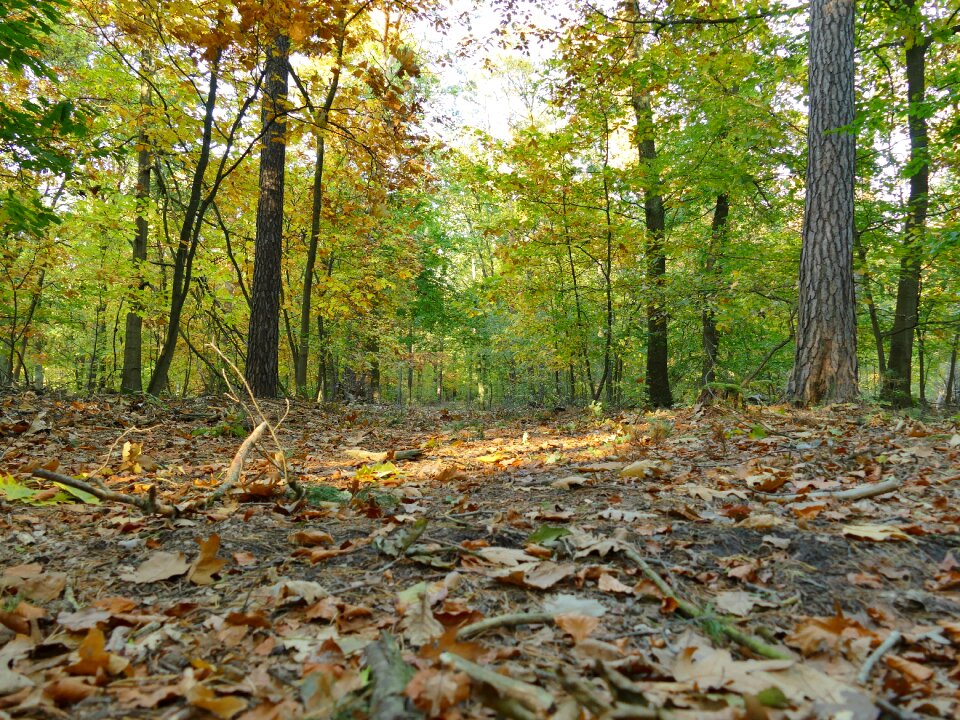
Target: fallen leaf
x,y
311,537
645,468
578,627
225,706
161,565
569,482
207,564
436,691
878,533
763,521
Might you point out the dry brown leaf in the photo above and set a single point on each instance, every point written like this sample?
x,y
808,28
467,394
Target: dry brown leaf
x,y
578,627
311,537
419,626
571,481
763,521
645,468
912,670
68,690
608,583
878,533
92,656
225,706
161,565
436,691
207,563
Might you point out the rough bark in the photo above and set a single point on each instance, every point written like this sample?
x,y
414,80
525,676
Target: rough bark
x,y
657,376
711,338
825,365
264,334
896,387
131,379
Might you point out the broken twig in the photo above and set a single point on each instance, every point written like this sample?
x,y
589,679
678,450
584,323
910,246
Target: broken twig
x,y
148,505
882,649
856,493
233,472
531,696
511,620
692,611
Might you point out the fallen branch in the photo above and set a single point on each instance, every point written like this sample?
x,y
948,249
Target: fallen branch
x,y
511,620
693,612
236,466
148,504
533,697
882,649
857,493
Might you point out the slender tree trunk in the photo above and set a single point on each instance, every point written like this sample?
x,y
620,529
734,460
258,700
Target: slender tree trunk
x,y
896,388
187,244
263,337
949,391
825,365
711,338
302,359
871,305
131,379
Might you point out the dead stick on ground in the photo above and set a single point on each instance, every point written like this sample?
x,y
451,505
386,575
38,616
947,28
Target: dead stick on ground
x,y
533,697
882,649
148,504
293,484
692,611
512,620
857,493
236,467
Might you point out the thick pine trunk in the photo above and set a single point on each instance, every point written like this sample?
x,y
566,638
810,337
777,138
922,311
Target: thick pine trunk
x,y
263,337
896,388
825,366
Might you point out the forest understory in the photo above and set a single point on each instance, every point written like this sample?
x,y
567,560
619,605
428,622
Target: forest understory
x,y
712,562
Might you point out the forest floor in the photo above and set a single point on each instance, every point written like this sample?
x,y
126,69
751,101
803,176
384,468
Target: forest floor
x,y
691,564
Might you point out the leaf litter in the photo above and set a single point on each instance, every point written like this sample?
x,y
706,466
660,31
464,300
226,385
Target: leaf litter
x,y
682,565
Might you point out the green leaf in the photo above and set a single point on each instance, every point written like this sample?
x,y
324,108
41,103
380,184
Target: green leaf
x,y
773,697
14,490
758,432
81,495
546,534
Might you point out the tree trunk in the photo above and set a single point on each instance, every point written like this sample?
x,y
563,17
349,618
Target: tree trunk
x,y
187,243
711,338
825,364
263,337
131,379
896,387
302,360
871,305
949,391
658,376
